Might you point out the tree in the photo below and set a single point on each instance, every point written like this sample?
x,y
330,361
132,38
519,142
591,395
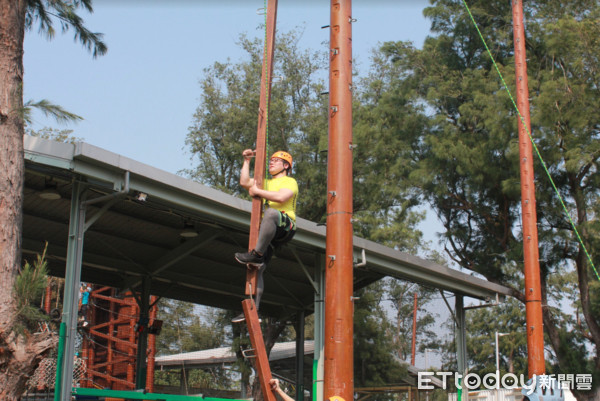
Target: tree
x,y
225,124
375,362
402,296
53,134
507,318
465,161
20,355
225,121
29,286
186,330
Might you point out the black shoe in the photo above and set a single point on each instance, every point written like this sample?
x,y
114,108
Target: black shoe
x,y
241,318
251,257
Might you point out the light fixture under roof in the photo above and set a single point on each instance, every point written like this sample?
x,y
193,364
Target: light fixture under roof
x,y
50,191
49,194
188,231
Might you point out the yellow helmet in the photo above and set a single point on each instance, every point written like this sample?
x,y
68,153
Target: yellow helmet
x,y
336,398
280,154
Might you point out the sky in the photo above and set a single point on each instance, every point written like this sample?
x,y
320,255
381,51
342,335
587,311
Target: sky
x,y
138,100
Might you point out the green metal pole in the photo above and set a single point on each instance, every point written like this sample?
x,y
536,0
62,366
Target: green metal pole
x,y
314,387
59,360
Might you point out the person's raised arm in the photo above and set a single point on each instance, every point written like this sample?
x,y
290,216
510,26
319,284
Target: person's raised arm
x,y
277,390
245,180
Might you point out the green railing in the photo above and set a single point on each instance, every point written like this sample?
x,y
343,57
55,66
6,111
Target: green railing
x,y
135,395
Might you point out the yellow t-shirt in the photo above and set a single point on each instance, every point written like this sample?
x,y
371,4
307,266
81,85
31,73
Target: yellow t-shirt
x,y
275,185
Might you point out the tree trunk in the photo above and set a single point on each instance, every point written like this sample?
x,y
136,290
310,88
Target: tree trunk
x,y
26,353
19,353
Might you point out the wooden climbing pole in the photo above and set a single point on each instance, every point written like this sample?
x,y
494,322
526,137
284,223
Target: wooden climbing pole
x,y
533,293
261,135
339,356
258,352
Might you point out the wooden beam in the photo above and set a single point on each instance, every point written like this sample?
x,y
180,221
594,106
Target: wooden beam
x,y
261,136
261,360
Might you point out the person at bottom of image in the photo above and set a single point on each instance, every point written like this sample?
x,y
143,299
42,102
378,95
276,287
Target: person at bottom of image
x,y
274,383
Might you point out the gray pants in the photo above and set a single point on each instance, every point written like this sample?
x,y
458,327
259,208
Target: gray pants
x,y
276,229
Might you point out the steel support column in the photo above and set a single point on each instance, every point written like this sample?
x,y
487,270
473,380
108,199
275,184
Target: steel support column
x,y
142,342
300,356
319,331
339,355
68,327
461,343
64,371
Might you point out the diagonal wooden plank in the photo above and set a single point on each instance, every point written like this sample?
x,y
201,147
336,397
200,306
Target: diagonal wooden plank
x,y
261,361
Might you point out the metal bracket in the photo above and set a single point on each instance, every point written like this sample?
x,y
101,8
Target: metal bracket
x,y
449,308
312,282
497,303
248,353
364,260
113,198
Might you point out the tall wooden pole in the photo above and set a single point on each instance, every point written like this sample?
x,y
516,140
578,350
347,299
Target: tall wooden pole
x,y
533,293
338,364
261,135
261,360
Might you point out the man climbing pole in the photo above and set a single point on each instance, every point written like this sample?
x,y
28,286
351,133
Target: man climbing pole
x,y
278,224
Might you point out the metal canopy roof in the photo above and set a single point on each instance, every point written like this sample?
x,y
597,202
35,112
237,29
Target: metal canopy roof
x,y
129,239
225,355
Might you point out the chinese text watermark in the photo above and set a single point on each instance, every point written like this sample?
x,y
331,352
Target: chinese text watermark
x,y
493,381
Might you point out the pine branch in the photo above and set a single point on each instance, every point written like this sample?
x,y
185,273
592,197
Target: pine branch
x,y
61,115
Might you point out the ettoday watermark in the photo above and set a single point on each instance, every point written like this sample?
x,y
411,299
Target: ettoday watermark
x,y
494,381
